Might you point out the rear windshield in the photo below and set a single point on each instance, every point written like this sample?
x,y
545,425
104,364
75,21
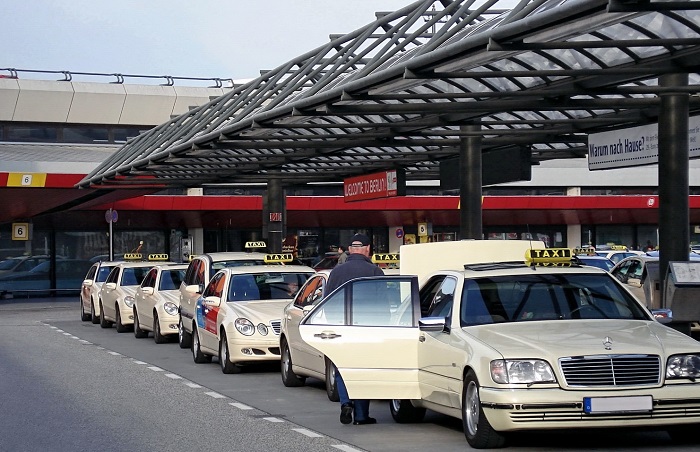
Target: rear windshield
x,y
546,297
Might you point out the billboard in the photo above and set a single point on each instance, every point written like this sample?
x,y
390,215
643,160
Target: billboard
x,y
377,185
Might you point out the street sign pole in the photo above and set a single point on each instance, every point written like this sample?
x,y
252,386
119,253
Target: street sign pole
x,y
111,236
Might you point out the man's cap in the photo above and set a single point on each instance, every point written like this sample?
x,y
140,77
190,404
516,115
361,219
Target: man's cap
x,y
359,240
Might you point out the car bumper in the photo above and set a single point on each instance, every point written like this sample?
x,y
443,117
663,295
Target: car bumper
x,y
252,349
510,410
127,314
168,323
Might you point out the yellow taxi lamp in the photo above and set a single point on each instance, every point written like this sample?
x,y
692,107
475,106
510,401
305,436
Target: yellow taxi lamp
x,y
385,258
158,257
133,256
252,245
278,257
618,247
586,251
549,257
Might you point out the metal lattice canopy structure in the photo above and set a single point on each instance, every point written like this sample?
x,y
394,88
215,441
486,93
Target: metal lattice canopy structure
x,y
393,94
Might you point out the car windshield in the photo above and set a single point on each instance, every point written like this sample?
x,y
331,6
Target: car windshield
x,y
8,264
265,286
546,297
171,279
132,276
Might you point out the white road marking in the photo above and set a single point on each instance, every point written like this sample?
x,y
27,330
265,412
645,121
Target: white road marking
x,y
173,376
215,395
85,342
193,385
140,362
115,353
273,419
155,368
241,406
346,448
307,432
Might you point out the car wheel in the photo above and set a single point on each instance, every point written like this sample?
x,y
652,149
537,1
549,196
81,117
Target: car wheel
x,y
94,318
183,337
104,323
227,366
197,354
157,334
121,328
289,378
477,429
138,332
83,315
331,386
404,412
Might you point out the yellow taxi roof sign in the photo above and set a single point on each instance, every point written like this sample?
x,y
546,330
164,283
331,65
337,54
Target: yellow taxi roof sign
x,y
278,257
549,256
158,257
385,258
259,244
618,247
585,250
133,256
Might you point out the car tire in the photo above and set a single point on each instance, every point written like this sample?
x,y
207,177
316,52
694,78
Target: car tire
x,y
121,328
138,332
477,429
94,318
289,378
197,354
403,411
331,386
104,323
227,366
157,334
84,316
183,337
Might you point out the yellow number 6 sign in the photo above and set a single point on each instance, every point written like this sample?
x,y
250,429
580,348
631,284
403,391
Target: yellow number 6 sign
x,y
20,231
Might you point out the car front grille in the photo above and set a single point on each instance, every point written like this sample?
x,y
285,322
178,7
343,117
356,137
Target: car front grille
x,y
611,370
276,326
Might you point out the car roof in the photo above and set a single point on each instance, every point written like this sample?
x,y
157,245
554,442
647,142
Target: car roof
x,y
231,255
518,269
267,269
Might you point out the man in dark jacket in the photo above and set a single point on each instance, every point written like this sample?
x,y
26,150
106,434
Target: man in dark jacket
x,y
357,265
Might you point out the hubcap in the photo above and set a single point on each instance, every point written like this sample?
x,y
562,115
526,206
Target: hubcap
x,y
471,408
224,352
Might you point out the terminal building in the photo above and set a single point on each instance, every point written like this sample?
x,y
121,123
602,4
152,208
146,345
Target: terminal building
x,y
54,133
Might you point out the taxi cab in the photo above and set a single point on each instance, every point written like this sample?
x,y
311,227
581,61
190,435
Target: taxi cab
x,y
508,346
157,301
238,317
90,290
116,300
199,271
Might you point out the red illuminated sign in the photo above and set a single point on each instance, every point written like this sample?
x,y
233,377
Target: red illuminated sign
x,y
371,186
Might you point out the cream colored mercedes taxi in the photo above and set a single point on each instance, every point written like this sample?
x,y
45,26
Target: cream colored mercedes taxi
x,y
239,314
90,290
116,301
513,339
156,302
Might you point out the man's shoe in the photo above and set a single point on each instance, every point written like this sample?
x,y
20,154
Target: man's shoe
x,y
346,414
369,420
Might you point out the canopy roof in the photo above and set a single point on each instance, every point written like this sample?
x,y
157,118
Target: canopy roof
x,y
394,94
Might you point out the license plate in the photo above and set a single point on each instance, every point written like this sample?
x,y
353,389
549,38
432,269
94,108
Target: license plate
x,y
630,404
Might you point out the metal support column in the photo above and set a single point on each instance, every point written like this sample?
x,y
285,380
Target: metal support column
x,y
274,220
470,218
674,238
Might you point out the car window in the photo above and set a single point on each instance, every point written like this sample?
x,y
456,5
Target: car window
x,y
171,279
215,288
546,297
427,293
113,275
103,273
311,292
150,279
441,305
132,276
91,273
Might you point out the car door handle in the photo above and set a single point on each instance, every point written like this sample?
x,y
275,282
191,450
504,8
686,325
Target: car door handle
x,y
327,335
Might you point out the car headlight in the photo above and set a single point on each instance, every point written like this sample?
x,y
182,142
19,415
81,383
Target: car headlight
x,y
262,329
521,371
129,301
170,308
244,326
683,366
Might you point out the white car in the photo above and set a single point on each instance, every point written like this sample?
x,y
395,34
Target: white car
x,y
300,360
90,290
116,301
200,270
157,301
239,315
508,347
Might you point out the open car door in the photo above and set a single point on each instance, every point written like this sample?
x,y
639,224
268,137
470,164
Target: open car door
x,y
368,327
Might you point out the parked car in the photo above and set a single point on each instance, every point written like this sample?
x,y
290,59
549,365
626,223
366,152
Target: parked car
x,y
90,290
239,315
299,359
157,302
22,263
508,347
69,276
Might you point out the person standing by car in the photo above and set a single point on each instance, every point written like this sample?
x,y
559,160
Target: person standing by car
x,y
342,255
356,265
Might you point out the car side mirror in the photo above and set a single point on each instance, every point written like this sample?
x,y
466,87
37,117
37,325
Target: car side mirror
x,y
110,286
87,283
147,290
212,301
636,282
193,289
431,324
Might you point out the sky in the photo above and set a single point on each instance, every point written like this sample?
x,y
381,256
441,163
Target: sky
x,y
202,38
